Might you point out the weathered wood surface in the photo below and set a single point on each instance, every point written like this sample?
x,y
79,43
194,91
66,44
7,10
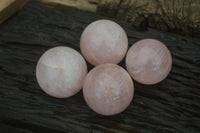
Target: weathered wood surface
x,y
83,5
171,106
9,7
180,16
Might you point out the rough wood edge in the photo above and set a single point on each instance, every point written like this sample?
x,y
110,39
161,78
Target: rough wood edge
x,y
9,8
180,17
83,5
5,3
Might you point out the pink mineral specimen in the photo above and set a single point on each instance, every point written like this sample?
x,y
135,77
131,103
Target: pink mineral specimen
x,y
103,41
148,61
108,89
61,71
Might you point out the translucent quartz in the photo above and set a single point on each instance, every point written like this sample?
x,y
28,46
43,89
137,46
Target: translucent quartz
x,y
148,61
61,71
103,41
108,89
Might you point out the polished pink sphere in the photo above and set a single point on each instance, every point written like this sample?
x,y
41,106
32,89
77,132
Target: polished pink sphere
x,y
108,89
61,71
148,61
103,41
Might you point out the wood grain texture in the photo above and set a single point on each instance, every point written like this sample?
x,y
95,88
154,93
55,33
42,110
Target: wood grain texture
x,y
9,7
180,16
171,106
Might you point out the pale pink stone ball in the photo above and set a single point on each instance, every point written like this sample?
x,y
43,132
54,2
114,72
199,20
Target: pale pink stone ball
x,y
61,71
148,61
103,41
108,89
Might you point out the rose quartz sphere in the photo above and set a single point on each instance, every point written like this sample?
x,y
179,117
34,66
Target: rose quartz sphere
x,y
61,71
108,89
103,41
148,61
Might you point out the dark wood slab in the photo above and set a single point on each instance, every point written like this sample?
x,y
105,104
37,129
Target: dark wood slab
x,y
172,106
